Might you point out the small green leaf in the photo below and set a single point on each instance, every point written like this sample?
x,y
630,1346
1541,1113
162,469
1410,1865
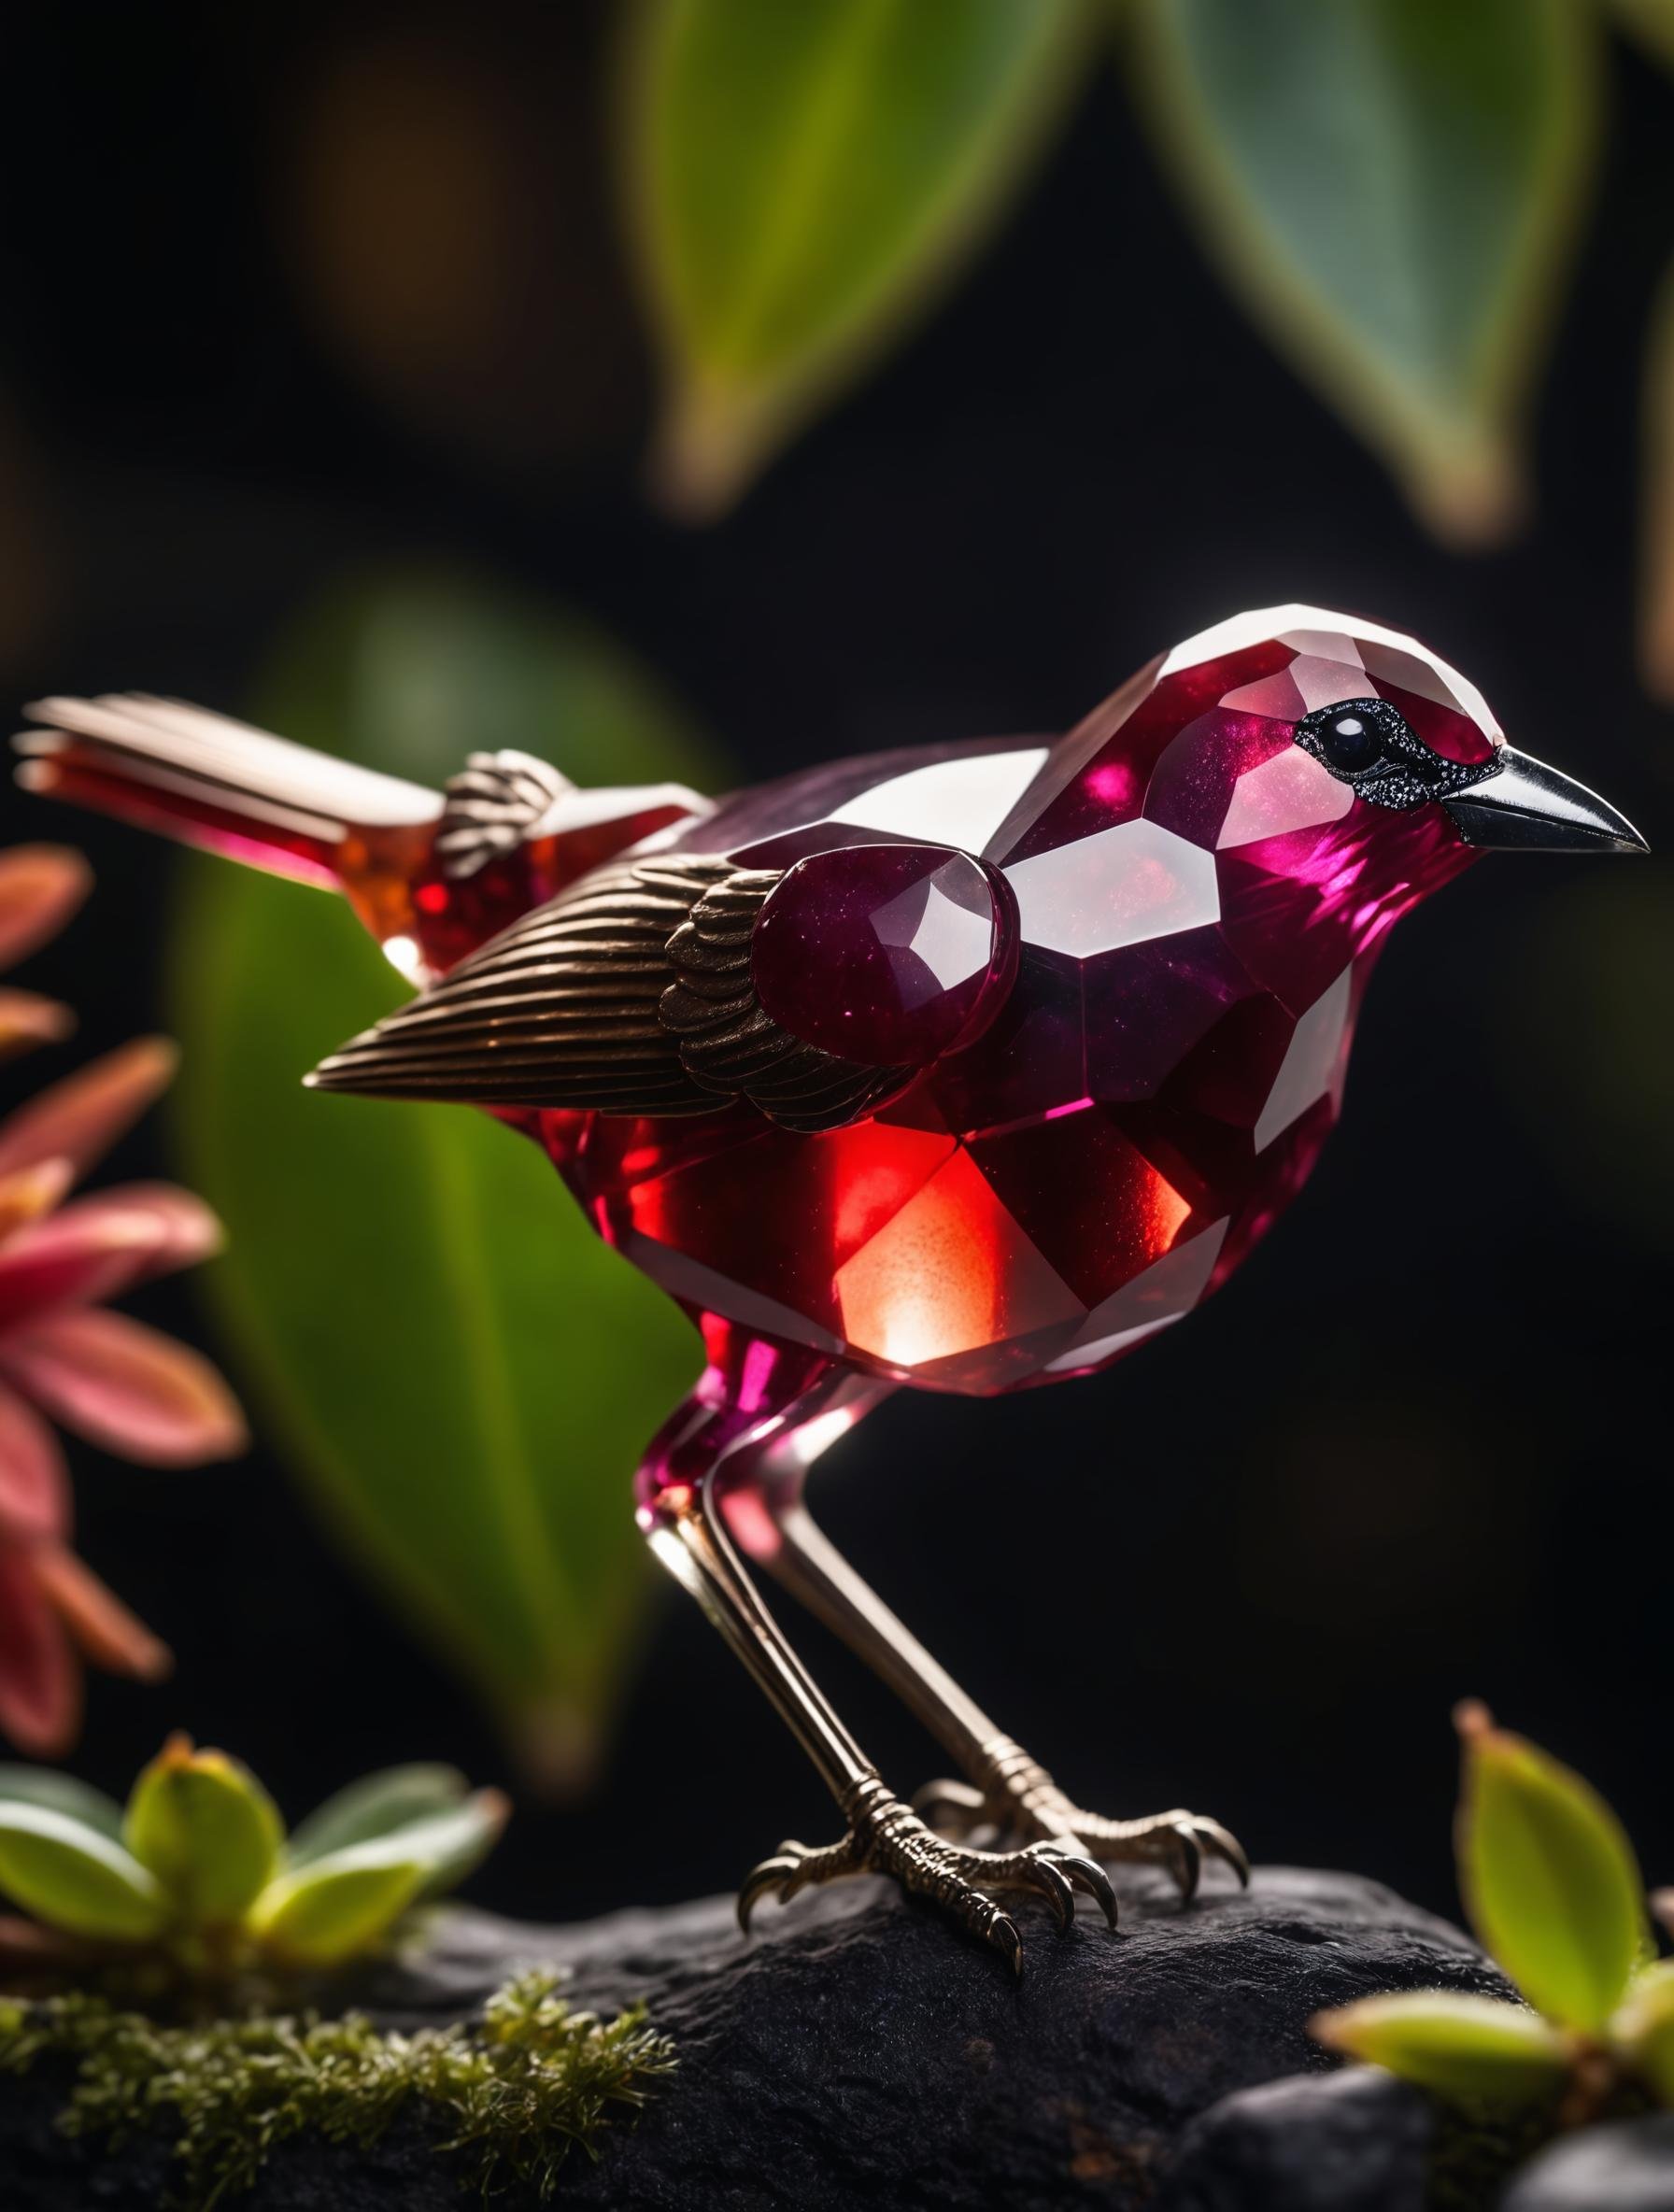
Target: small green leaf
x,y
338,1905
431,1330
1642,2029
804,180
1473,2050
75,1877
1392,188
62,1792
373,1806
1549,1878
206,1828
347,1899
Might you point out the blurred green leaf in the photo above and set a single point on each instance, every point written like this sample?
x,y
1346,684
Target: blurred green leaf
x,y
204,1826
804,180
75,1877
62,1792
1549,1878
465,1374
1651,21
1643,2029
373,1806
1474,2050
326,1912
342,1902
1392,188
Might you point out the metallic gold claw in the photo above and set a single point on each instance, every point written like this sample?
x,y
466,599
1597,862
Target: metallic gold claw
x,y
1021,1798
886,1836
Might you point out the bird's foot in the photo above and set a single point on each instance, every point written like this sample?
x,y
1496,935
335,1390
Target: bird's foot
x,y
886,1836
1022,1799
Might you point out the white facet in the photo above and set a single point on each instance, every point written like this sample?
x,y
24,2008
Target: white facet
x,y
1311,1063
1169,1288
1291,791
956,803
1119,886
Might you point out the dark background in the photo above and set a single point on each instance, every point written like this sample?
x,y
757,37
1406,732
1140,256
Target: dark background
x,y
1418,1448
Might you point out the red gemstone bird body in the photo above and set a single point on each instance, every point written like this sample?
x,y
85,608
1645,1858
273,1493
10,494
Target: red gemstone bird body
x,y
969,1067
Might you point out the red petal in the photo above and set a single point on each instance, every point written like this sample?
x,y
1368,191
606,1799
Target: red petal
x,y
40,1682
34,1486
128,1387
27,1019
81,1117
108,1634
41,886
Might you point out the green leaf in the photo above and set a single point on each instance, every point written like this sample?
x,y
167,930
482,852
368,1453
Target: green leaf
x,y
426,1326
1651,21
803,181
75,1877
1549,1878
373,1806
1473,2050
349,1899
1642,2029
1391,189
206,1828
62,1792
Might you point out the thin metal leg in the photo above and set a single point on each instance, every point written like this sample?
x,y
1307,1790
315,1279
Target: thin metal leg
x,y
689,1538
1002,1783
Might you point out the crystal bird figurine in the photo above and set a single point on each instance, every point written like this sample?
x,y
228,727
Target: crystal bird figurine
x,y
968,1068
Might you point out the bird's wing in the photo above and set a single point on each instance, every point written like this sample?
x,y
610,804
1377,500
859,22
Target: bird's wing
x,y
630,994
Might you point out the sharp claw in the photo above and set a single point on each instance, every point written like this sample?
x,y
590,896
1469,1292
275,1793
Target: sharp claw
x,y
1047,1876
1004,1937
773,1874
1092,1877
1188,1864
1225,1845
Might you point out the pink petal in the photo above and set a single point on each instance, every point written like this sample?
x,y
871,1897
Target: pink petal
x,y
108,1634
100,1247
27,1019
41,886
128,1387
31,1192
80,1254
40,1682
34,1487
81,1117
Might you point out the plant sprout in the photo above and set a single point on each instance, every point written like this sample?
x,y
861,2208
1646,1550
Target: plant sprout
x,y
197,1868
1553,1891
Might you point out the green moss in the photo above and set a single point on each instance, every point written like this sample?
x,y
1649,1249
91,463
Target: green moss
x,y
507,2098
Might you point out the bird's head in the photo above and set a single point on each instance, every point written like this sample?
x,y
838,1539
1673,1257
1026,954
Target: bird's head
x,y
1336,771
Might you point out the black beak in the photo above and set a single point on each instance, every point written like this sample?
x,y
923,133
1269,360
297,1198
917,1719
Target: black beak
x,y
1528,807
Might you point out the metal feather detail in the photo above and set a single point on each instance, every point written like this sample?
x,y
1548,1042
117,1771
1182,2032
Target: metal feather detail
x,y
492,806
630,994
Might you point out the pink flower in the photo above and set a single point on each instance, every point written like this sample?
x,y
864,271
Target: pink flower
x,y
111,1379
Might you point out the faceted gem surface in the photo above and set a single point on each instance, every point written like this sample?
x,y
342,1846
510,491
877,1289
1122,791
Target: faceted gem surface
x,y
884,953
1198,903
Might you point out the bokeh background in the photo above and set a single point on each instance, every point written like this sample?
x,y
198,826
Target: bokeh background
x,y
324,360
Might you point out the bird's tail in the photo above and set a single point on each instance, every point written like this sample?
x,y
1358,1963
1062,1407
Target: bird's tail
x,y
213,782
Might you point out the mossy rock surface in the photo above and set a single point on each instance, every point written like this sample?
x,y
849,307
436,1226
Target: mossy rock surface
x,y
857,2051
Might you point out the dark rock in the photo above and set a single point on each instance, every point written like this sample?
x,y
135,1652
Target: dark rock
x,y
1357,2141
1627,2166
857,2051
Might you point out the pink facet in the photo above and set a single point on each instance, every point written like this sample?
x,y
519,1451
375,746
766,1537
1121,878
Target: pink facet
x,y
1197,903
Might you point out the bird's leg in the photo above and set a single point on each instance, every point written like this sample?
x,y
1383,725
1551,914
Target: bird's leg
x,y
1004,1786
680,1514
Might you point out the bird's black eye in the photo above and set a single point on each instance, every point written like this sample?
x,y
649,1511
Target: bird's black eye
x,y
1368,744
1349,743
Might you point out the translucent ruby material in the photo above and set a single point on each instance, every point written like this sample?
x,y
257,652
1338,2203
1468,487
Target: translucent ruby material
x,y
884,953
1198,903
